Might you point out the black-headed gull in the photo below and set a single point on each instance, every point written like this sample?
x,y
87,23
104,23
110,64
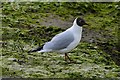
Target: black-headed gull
x,y
65,41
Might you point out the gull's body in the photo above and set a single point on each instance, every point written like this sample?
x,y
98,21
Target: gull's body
x,y
65,41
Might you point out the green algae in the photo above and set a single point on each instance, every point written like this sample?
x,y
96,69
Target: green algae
x,y
22,31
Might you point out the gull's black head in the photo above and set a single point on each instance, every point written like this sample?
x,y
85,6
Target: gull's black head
x,y
80,22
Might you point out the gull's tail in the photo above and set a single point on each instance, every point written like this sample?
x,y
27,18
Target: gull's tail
x,y
35,50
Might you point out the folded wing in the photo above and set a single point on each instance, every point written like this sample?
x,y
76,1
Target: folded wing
x,y
60,41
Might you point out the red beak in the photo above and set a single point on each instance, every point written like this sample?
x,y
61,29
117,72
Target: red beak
x,y
86,24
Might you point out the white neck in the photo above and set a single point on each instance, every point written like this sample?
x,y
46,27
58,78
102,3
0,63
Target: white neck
x,y
77,33
76,28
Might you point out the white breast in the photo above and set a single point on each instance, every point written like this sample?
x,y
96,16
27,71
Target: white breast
x,y
77,32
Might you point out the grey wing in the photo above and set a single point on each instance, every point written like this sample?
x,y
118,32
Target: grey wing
x,y
60,41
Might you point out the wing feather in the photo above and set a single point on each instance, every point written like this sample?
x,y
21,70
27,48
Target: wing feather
x,y
60,41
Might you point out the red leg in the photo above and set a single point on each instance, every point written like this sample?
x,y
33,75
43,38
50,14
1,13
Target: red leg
x,y
66,56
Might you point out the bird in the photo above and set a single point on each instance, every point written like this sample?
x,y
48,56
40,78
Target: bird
x,y
65,41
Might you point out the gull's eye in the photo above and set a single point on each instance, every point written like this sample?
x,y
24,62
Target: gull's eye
x,y
80,21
